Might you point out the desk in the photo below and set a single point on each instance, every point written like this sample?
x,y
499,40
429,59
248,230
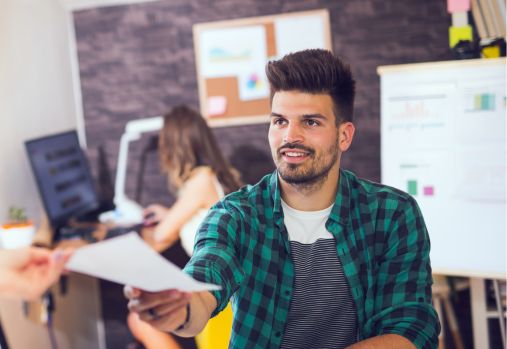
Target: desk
x,y
43,237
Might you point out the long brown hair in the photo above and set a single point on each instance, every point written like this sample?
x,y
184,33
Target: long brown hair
x,y
187,142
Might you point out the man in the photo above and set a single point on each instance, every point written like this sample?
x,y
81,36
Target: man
x,y
311,256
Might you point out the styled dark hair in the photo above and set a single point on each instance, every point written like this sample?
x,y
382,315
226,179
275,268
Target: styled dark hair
x,y
315,71
187,142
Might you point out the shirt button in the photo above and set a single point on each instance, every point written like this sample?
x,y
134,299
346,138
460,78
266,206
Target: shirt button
x,y
278,334
287,292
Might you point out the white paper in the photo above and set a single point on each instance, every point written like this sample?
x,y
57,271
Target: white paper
x,y
253,85
295,34
232,51
128,260
217,105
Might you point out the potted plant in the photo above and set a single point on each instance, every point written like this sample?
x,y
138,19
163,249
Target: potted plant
x,y
18,231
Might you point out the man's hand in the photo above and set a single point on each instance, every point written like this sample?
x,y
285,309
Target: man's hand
x,y
26,273
166,310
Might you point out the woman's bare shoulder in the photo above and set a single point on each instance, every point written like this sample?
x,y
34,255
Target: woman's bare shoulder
x,y
201,177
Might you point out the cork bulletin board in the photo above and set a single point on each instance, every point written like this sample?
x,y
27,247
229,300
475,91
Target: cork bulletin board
x,y
231,57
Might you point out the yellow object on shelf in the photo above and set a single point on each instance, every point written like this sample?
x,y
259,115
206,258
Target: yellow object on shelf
x,y
459,33
217,332
490,52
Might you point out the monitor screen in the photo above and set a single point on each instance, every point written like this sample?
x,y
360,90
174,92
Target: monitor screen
x,y
63,176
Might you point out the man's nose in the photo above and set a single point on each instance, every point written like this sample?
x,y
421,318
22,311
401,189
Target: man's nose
x,y
293,134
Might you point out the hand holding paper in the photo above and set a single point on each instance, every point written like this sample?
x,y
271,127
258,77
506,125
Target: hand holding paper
x,y
129,260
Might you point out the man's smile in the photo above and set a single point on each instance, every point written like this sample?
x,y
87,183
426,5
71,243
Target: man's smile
x,y
292,156
295,154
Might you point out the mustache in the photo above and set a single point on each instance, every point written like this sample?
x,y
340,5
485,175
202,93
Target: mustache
x,y
291,146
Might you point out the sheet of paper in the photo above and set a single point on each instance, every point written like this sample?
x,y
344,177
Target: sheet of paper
x,y
295,34
459,19
128,260
217,105
232,51
252,85
458,5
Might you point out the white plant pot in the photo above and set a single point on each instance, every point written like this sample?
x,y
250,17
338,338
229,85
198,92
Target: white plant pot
x,y
16,236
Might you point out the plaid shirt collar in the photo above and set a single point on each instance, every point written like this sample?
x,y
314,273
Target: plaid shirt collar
x,y
340,214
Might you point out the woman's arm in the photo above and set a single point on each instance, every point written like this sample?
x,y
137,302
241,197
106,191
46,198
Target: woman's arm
x,y
198,192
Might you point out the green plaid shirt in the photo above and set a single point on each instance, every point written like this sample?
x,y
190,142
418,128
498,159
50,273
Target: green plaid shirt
x,y
381,240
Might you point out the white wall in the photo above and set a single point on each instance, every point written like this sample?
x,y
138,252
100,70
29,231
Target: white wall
x,y
36,91
74,5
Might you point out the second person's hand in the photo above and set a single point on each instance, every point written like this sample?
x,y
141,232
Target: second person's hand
x,y
153,214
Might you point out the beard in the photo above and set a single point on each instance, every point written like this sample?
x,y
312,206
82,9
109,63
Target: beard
x,y
315,170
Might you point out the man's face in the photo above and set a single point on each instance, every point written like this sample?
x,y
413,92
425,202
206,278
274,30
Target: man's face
x,y
303,136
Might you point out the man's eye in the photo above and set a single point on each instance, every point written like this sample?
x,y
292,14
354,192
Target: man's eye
x,y
311,122
278,121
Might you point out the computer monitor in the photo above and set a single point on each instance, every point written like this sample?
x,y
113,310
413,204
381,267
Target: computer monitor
x,y
63,177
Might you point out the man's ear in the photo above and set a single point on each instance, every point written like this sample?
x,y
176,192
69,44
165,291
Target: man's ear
x,y
345,135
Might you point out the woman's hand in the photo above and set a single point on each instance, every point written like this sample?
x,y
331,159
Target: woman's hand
x,y
153,214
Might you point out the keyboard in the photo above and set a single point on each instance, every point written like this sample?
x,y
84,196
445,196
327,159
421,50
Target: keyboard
x,y
87,233
118,231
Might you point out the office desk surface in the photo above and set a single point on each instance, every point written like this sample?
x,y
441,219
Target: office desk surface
x,y
43,237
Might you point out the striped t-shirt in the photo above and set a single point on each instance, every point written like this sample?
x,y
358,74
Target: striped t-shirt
x,y
322,313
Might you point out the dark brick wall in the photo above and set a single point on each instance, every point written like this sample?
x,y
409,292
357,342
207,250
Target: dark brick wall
x,y
138,60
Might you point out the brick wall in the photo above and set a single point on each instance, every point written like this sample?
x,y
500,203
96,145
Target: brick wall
x,y
138,60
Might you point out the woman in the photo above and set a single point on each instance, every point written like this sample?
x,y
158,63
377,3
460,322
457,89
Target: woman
x,y
200,176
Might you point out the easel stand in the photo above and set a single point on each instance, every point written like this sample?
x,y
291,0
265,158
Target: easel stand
x,y
442,300
481,314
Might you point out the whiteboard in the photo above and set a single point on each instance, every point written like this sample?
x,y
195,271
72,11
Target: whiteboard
x,y
443,141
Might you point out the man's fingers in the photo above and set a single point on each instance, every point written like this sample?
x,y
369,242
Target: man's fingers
x,y
168,324
169,321
131,292
167,308
151,300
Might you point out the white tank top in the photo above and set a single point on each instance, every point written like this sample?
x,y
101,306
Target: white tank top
x,y
189,229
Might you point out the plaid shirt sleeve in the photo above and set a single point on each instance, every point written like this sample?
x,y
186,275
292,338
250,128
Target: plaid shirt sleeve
x,y
215,259
402,303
